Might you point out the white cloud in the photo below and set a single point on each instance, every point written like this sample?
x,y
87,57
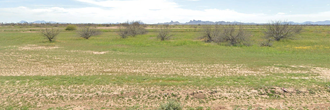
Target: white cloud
x,y
134,4
149,11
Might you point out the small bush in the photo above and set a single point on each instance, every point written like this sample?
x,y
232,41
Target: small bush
x,y
164,32
50,34
123,33
87,32
170,105
71,28
267,43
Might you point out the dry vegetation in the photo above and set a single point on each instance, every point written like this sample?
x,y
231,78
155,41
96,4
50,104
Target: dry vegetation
x,y
50,34
87,32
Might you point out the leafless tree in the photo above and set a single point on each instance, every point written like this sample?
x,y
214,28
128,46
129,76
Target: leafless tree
x,y
87,32
207,33
278,30
234,35
50,33
131,29
164,32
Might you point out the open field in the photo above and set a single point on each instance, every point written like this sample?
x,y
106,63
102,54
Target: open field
x,y
107,72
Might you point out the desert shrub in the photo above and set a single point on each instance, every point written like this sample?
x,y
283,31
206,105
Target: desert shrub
x,y
267,43
164,32
71,28
170,105
87,32
123,32
50,33
232,34
279,30
131,29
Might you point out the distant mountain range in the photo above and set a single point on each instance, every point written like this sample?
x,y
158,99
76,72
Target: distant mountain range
x,y
196,22
39,22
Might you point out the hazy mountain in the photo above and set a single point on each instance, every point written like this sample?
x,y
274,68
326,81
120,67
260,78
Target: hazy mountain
x,y
196,22
326,22
171,23
22,22
199,22
38,22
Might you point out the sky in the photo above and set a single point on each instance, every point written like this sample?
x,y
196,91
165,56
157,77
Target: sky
x,y
159,11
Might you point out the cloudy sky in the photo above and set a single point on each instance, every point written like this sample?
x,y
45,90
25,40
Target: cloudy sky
x,y
155,11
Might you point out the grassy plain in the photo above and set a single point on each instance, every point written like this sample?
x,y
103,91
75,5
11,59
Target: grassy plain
x,y
107,72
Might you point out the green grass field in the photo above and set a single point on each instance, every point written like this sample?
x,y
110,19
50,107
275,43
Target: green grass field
x,y
107,72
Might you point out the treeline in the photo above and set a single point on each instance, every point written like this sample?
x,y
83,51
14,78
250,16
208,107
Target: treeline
x,y
232,35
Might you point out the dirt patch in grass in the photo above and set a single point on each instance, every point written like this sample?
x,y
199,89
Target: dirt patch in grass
x,y
324,72
29,31
37,47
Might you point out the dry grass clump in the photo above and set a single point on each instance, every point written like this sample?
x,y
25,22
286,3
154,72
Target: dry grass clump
x,y
170,105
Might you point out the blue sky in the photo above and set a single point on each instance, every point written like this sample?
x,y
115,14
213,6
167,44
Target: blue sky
x,y
154,11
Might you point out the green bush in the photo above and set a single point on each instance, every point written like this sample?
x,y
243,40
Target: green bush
x,y
170,105
71,28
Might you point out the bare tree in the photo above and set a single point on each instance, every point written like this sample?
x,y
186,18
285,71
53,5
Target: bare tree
x,y
234,35
207,33
278,30
164,32
229,33
50,34
131,29
87,32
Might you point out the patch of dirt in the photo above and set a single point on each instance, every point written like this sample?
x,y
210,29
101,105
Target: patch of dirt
x,y
218,107
99,53
30,32
324,72
37,47
199,96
